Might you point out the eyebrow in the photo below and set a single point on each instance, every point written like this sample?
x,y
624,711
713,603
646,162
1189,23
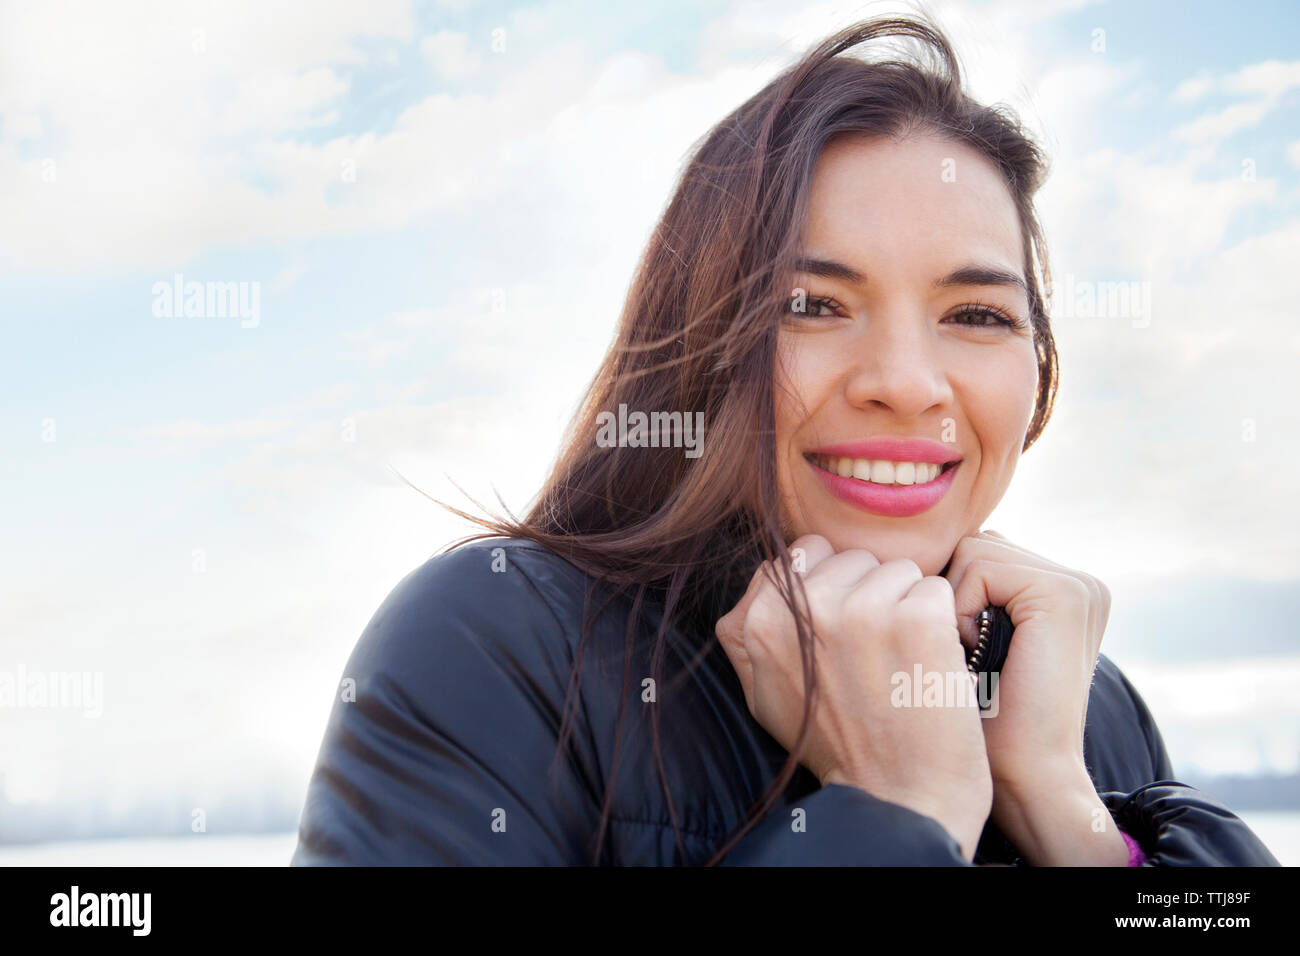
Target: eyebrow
x,y
972,274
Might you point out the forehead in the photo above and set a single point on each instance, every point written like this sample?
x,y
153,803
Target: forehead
x,y
920,204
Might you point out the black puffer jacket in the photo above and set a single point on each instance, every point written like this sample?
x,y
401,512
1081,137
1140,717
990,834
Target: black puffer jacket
x,y
445,755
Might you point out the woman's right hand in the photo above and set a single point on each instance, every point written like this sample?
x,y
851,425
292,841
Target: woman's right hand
x,y
871,621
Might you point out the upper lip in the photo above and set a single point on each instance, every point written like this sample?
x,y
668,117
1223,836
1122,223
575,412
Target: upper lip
x,y
892,449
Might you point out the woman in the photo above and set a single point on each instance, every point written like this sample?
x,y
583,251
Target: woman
x,y
690,651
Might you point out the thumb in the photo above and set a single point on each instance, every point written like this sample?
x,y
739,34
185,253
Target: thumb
x,y
736,616
730,631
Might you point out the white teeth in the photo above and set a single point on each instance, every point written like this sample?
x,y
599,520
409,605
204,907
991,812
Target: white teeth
x,y
881,472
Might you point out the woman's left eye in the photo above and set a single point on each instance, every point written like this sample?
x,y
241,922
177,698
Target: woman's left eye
x,y
983,316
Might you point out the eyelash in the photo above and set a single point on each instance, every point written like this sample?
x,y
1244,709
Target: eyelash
x,y
999,316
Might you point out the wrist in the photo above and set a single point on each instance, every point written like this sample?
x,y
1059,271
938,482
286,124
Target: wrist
x,y
1059,820
1035,776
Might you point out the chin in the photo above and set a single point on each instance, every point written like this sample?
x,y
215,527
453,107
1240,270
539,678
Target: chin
x,y
930,554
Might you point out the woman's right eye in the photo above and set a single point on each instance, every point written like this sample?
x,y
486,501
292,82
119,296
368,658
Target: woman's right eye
x,y
812,306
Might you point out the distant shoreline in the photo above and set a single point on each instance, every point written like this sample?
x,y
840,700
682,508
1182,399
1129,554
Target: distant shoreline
x,y
1279,829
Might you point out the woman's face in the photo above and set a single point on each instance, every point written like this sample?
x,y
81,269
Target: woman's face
x,y
904,336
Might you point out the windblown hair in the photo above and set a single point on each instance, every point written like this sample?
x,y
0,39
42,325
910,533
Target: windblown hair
x,y
698,332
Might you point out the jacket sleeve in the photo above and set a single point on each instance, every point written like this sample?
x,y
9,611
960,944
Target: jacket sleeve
x,y
843,825
445,754
1175,824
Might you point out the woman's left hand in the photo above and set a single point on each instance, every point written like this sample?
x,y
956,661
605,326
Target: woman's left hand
x,y
1043,798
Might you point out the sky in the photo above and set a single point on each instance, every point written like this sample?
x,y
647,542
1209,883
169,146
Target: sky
x,y
428,215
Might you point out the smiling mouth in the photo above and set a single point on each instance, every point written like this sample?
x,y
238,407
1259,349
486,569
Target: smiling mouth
x,y
890,474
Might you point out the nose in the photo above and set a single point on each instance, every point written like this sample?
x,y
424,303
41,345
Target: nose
x,y
896,365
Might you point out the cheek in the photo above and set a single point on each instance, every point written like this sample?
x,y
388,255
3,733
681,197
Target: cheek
x,y
804,377
1001,401
801,381
1028,392
786,384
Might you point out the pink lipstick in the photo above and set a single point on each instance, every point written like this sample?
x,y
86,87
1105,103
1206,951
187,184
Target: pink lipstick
x,y
890,500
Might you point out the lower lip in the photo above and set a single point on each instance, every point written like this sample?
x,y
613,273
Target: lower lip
x,y
893,501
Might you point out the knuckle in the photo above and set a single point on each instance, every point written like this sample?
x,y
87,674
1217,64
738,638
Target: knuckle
x,y
1077,592
938,594
907,564
912,617
1103,592
864,603
964,548
814,547
939,583
758,643
768,576
862,555
815,588
921,617
763,616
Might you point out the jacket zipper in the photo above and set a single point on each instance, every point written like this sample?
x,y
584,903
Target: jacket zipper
x,y
976,659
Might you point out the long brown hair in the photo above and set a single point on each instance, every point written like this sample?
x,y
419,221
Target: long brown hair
x,y
698,332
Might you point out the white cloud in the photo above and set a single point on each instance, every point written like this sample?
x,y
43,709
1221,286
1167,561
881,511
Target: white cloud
x,y
1223,123
1267,82
1194,87
450,54
18,125
221,431
288,276
1154,213
135,165
282,102
69,57
1271,78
